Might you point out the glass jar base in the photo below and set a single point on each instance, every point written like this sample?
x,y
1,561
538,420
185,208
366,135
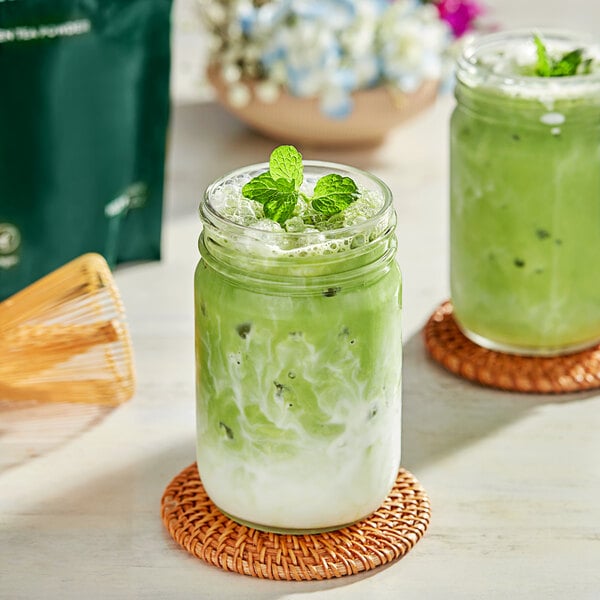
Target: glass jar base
x,y
524,350
285,530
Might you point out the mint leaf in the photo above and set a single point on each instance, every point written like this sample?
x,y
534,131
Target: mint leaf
x,y
281,209
333,193
586,66
278,189
279,196
568,64
542,67
264,188
286,163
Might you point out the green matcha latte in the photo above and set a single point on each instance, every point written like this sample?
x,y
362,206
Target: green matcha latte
x,y
525,193
298,345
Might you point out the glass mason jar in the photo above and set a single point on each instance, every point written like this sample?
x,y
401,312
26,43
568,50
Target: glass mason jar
x,y
298,354
525,198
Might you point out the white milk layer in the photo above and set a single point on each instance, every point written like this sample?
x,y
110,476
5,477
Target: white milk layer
x,y
326,483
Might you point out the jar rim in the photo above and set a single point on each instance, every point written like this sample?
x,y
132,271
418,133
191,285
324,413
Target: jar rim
x,y
471,72
209,214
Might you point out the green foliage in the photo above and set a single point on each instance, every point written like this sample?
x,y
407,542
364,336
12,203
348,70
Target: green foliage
x,y
278,188
567,65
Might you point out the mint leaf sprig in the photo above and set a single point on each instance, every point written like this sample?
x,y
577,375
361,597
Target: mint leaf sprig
x,y
278,189
567,65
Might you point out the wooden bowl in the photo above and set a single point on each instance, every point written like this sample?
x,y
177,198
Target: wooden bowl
x,y
294,120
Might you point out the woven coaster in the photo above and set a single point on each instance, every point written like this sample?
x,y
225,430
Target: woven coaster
x,y
543,375
197,525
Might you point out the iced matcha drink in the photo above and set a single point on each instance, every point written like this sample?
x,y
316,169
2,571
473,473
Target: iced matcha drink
x,y
525,193
298,352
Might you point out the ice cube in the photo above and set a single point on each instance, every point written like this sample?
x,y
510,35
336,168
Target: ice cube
x,y
267,225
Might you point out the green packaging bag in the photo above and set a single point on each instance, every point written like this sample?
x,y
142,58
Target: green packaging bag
x,y
84,106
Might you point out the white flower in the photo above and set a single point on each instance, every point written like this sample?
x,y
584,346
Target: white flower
x,y
231,72
328,48
367,71
245,15
412,40
234,30
278,72
239,95
214,12
267,91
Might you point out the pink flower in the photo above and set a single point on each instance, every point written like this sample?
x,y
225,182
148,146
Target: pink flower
x,y
459,14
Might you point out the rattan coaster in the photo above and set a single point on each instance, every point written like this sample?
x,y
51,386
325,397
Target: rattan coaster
x,y
197,525
546,375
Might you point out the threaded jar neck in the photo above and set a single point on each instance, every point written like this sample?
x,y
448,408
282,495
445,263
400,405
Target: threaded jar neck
x,y
500,66
300,262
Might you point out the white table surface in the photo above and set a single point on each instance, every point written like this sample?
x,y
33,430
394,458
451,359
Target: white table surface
x,y
514,480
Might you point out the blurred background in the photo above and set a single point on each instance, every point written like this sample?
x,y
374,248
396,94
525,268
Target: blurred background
x,y
190,41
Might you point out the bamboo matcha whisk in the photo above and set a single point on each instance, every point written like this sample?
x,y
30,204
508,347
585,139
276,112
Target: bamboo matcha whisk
x,y
64,338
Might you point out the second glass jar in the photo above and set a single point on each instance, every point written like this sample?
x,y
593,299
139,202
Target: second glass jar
x,y
525,200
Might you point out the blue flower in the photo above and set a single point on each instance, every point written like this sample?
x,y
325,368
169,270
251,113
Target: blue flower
x,y
328,49
336,103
